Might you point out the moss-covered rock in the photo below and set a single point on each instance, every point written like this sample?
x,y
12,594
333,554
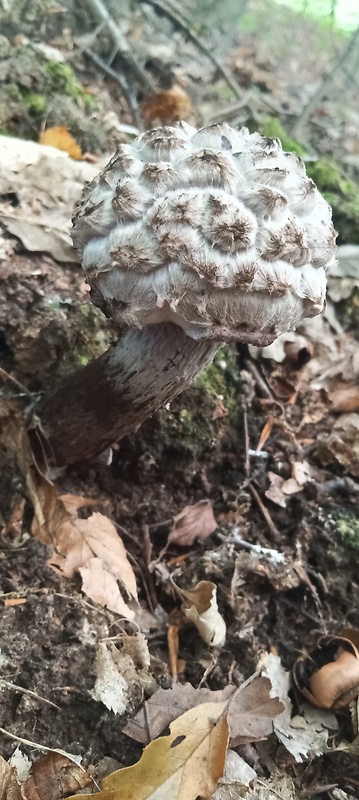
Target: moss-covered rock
x,y
34,88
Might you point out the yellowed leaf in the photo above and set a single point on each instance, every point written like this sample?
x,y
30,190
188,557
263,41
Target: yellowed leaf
x,y
60,137
184,765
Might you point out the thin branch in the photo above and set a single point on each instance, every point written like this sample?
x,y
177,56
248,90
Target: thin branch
x,y
305,115
162,10
126,90
17,688
101,15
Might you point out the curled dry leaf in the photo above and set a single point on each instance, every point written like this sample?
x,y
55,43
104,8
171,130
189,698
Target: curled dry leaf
x,y
329,676
52,777
201,608
184,765
193,522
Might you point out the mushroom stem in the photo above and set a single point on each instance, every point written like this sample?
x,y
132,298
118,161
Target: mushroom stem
x,y
114,394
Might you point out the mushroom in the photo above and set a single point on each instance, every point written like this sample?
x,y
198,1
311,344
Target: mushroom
x,y
329,676
189,239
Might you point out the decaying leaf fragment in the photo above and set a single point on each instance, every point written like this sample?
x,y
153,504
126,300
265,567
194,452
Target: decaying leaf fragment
x,y
52,777
329,676
305,735
184,765
193,522
120,681
201,608
9,787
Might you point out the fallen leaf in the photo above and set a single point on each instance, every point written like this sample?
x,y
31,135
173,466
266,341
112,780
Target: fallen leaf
x,y
119,682
60,137
193,522
47,184
91,543
202,609
166,705
236,777
53,777
184,765
93,547
167,107
274,493
303,736
251,710
9,787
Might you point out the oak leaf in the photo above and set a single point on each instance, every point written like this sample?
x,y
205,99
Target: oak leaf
x,y
184,765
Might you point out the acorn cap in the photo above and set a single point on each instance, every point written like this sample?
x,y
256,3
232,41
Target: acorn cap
x,y
217,230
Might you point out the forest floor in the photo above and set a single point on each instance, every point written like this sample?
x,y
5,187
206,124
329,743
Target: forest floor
x,y
266,441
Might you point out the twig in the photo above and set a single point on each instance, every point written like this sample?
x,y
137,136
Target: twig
x,y
101,14
162,10
264,511
304,117
122,82
21,689
248,484
22,389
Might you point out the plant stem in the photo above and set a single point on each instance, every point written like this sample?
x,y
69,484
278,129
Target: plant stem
x,y
97,405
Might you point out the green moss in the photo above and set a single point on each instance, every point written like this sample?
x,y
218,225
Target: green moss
x,y
62,79
273,128
342,194
194,425
94,339
348,529
35,103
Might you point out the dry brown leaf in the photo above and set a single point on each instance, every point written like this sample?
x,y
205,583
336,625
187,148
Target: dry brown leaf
x,y
251,710
202,609
9,787
53,777
93,547
166,705
167,107
47,184
274,493
77,542
184,765
193,522
60,137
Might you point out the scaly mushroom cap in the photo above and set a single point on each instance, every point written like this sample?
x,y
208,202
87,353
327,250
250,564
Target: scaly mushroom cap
x,y
217,230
